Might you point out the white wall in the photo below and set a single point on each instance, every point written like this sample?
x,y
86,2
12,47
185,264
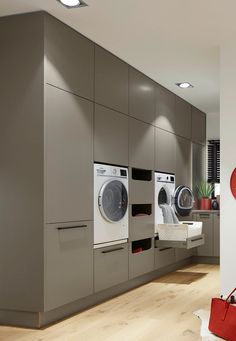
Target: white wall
x,y
228,163
213,127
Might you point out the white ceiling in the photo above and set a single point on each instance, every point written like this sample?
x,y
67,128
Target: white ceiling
x,y
169,40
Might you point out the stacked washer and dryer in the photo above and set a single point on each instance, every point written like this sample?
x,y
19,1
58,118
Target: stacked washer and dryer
x,y
110,205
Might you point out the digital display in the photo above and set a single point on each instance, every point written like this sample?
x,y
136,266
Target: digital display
x,y
172,179
123,172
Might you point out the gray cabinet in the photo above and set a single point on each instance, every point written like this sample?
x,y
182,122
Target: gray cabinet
x,y
69,59
111,80
181,254
165,109
68,157
165,151
68,263
216,246
141,144
141,188
110,136
198,165
141,262
164,257
207,229
183,172
183,118
142,96
141,226
198,126
110,266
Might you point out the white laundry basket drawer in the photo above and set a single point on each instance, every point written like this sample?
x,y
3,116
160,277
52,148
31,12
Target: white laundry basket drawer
x,y
189,243
179,232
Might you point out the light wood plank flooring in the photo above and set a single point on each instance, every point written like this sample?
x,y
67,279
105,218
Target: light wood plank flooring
x,y
161,310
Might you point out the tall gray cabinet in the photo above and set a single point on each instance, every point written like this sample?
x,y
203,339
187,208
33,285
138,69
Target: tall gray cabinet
x,y
65,104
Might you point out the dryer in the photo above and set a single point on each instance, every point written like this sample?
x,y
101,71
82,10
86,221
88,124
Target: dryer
x,y
110,204
180,198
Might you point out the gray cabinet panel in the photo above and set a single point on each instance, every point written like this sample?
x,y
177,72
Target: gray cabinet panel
x,y
164,257
216,250
198,165
110,266
68,263
69,59
140,192
165,110
111,136
111,80
141,144
141,227
165,151
141,262
183,171
183,118
21,159
181,254
69,157
198,126
207,229
142,96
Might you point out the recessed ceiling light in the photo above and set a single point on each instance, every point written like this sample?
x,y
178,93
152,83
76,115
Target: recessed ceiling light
x,y
72,3
184,85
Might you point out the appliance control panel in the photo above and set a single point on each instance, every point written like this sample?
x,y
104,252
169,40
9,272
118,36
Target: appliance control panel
x,y
111,171
164,177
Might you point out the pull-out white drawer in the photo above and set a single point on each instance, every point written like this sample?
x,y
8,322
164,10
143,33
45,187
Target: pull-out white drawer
x,y
189,243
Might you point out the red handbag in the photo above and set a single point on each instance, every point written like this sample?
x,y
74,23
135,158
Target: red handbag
x,y
223,318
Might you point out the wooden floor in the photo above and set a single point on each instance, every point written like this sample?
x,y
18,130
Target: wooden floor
x,y
161,310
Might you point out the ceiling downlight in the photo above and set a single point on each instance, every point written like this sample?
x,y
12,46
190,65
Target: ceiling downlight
x,y
184,85
72,3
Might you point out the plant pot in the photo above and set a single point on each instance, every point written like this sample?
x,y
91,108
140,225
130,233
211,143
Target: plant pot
x,y
205,204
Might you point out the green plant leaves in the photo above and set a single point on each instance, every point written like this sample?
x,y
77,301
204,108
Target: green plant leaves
x,y
204,189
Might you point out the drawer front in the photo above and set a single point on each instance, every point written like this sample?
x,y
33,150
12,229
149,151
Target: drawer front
x,y
216,252
164,257
141,227
141,192
189,243
68,263
141,263
110,266
184,253
207,229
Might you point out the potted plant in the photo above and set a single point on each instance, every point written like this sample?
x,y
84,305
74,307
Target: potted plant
x,y
204,190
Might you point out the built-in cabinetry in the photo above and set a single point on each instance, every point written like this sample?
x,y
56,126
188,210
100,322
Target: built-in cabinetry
x,y
111,80
110,136
211,230
68,164
83,105
142,96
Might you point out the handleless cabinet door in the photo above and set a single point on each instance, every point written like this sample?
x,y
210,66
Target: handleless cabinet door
x,y
111,136
68,157
111,80
183,118
69,59
68,263
207,229
165,151
198,165
183,162
142,96
141,144
216,234
198,126
165,110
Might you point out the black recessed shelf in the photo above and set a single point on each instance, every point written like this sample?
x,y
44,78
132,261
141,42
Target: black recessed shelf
x,y
140,210
141,245
141,174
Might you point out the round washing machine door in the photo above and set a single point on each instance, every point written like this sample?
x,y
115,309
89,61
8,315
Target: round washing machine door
x,y
164,196
183,200
113,200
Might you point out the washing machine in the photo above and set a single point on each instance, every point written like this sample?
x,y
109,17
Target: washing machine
x,y
180,198
110,205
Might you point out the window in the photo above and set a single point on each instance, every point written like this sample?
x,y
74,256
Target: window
x,y
213,170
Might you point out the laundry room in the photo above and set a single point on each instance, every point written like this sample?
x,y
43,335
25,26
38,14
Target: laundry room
x,y
110,190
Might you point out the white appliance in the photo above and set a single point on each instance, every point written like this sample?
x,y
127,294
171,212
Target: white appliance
x,y
110,205
180,198
164,191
